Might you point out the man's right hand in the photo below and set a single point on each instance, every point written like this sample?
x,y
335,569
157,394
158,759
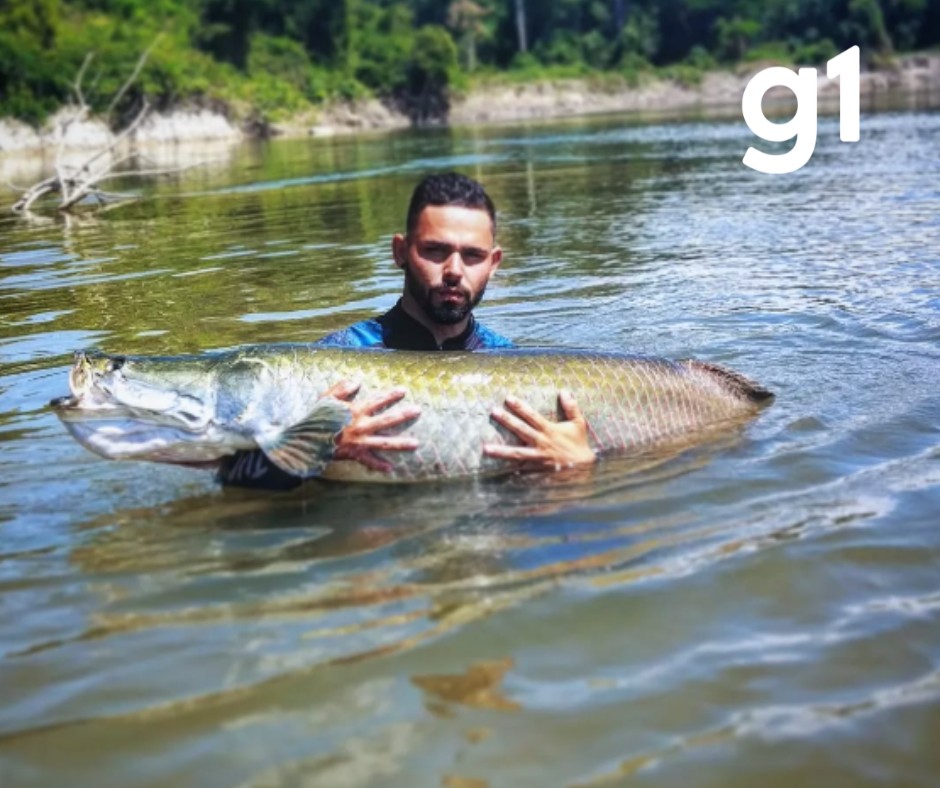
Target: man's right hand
x,y
359,440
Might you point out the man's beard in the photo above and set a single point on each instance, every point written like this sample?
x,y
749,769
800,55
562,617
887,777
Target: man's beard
x,y
443,314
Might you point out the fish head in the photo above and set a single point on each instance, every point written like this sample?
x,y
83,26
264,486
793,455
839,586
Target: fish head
x,y
122,407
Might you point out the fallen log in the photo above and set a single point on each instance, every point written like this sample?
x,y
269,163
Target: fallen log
x,y
81,184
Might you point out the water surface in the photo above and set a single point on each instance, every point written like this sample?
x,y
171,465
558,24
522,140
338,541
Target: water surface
x,y
764,609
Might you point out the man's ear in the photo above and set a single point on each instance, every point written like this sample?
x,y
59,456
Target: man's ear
x,y
400,250
496,258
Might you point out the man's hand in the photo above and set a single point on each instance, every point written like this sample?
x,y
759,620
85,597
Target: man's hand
x,y
359,440
547,445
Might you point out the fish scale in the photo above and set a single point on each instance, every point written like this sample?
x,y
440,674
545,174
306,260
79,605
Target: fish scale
x,y
632,403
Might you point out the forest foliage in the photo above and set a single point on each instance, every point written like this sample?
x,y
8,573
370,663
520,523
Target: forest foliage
x,y
271,58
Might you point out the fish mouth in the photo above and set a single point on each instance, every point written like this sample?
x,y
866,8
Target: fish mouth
x,y
86,394
81,375
68,402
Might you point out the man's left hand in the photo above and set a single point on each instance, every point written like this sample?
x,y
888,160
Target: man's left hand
x,y
547,445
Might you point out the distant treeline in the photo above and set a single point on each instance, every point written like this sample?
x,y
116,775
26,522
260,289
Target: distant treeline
x,y
273,57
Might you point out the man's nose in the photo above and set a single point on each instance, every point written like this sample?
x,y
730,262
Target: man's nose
x,y
453,267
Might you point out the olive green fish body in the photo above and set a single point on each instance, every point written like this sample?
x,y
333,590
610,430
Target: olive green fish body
x,y
254,397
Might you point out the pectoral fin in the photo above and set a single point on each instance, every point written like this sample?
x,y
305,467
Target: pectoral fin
x,y
306,448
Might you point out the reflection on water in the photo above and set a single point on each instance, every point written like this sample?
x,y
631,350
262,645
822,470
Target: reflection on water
x,y
477,687
328,549
761,607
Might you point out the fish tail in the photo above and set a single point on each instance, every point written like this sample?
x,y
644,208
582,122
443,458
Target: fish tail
x,y
732,381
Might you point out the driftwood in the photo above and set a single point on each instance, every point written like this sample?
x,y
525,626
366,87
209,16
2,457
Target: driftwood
x,y
77,184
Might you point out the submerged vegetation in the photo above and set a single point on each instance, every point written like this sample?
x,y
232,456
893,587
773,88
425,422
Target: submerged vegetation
x,y
269,58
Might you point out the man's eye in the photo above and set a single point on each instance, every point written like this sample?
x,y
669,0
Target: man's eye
x,y
436,254
439,254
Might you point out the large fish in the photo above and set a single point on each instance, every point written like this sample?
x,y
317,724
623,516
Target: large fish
x,y
197,409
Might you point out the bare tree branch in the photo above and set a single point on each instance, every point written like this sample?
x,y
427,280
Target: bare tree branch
x,y
114,196
133,77
76,117
77,85
131,128
48,186
141,173
77,183
98,75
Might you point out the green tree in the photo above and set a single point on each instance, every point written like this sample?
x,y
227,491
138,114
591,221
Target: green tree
x,y
386,41
34,20
228,28
735,36
867,22
31,83
466,19
431,69
276,55
521,26
638,38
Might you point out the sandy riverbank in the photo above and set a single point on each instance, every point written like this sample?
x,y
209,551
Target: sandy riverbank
x,y
487,104
717,90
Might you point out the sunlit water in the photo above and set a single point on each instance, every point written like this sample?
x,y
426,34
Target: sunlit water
x,y
764,611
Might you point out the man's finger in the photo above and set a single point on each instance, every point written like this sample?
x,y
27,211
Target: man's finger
x,y
363,457
387,443
502,452
382,401
515,425
375,463
569,407
532,416
345,389
394,418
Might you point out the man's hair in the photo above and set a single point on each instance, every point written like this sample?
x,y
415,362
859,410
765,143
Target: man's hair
x,y
449,188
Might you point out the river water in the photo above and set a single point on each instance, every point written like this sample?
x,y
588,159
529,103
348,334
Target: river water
x,y
764,610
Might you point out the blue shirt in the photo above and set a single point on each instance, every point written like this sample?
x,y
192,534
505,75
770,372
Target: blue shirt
x,y
395,330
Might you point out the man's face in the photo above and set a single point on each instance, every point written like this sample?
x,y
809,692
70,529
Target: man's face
x,y
448,260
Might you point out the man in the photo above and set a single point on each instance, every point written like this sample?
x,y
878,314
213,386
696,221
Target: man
x,y
448,255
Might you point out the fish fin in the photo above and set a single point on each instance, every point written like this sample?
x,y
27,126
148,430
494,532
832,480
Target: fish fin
x,y
306,448
733,381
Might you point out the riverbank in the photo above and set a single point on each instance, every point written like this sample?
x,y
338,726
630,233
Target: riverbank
x,y
716,91
491,102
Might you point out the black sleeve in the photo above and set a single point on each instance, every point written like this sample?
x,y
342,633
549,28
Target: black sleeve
x,y
253,470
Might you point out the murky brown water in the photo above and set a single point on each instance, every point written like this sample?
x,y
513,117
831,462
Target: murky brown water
x,y
767,610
